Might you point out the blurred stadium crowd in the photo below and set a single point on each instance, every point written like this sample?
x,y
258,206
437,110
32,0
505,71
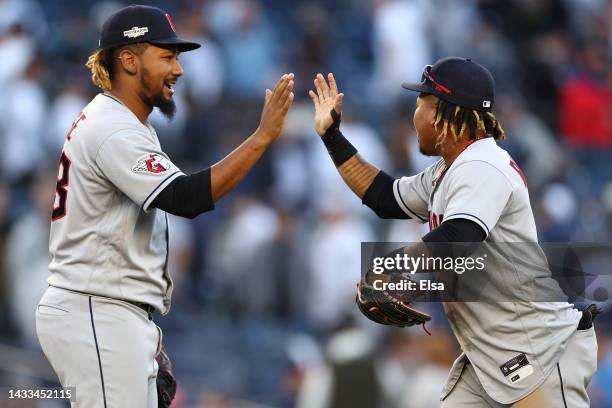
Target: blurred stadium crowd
x,y
263,312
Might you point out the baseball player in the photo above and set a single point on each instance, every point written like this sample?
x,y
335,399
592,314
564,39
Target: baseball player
x,y
109,228
539,353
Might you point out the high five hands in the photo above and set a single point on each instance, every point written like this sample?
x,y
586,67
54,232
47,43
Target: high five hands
x,y
276,105
325,99
278,102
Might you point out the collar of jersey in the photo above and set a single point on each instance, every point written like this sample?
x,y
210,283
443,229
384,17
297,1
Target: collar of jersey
x,y
114,98
436,180
148,125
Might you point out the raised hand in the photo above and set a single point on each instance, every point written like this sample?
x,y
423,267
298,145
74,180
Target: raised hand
x,y
276,105
325,99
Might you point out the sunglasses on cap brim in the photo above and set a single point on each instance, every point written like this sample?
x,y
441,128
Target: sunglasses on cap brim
x,y
426,76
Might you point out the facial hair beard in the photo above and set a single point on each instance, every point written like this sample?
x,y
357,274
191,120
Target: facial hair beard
x,y
166,106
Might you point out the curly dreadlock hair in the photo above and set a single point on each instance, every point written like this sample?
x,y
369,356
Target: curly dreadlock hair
x,y
100,63
454,120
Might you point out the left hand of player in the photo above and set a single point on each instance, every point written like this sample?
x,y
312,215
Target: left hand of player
x,y
326,99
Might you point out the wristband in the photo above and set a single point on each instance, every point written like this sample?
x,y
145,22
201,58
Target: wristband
x,y
338,147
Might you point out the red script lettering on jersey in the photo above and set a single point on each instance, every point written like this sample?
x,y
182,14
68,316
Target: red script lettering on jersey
x,y
519,171
74,124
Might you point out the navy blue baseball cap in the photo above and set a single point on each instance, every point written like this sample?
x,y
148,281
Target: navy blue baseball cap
x,y
460,81
136,24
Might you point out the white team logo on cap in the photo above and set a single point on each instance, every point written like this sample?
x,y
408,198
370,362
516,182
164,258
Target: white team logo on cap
x,y
486,104
136,32
152,163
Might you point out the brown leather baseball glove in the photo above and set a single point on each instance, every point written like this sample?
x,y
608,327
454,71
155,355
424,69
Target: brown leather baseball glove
x,y
166,385
391,306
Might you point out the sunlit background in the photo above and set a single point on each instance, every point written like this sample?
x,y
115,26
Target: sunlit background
x,y
263,312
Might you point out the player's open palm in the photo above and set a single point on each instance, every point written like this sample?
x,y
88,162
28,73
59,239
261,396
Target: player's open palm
x,y
325,99
275,108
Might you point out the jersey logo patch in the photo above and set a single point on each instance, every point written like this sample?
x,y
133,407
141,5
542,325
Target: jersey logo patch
x,y
152,163
517,368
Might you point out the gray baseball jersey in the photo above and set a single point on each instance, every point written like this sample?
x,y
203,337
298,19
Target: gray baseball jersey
x,y
105,238
486,186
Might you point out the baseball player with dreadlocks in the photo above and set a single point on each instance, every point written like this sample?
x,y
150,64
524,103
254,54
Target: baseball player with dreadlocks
x,y
539,353
109,229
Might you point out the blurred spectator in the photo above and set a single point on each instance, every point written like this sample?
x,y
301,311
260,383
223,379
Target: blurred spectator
x,y
311,49
557,223
27,14
349,378
243,259
490,48
543,157
585,119
290,162
415,367
249,44
335,264
64,109
17,50
5,290
22,122
28,257
460,19
204,73
401,44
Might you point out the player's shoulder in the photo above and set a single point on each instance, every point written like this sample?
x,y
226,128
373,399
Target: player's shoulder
x,y
428,175
485,159
484,154
107,117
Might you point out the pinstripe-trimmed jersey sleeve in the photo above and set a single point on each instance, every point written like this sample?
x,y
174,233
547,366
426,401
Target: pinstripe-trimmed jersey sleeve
x,y
136,165
477,191
412,193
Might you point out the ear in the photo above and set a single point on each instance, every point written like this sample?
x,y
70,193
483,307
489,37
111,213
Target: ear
x,y
128,61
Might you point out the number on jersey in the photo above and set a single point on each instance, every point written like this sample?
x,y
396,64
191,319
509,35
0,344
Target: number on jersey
x,y
61,188
63,177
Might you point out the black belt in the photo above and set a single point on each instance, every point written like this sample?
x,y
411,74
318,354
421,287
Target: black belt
x,y
146,307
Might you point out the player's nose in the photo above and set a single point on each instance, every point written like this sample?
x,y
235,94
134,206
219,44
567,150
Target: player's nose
x,y
177,69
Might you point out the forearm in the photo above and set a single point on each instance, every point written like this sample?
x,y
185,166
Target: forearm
x,y
228,172
358,174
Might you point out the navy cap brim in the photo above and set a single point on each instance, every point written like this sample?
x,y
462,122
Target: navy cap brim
x,y
182,45
418,87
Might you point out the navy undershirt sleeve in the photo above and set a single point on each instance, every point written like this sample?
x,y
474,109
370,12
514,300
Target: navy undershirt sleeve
x,y
456,230
187,196
380,198
451,232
